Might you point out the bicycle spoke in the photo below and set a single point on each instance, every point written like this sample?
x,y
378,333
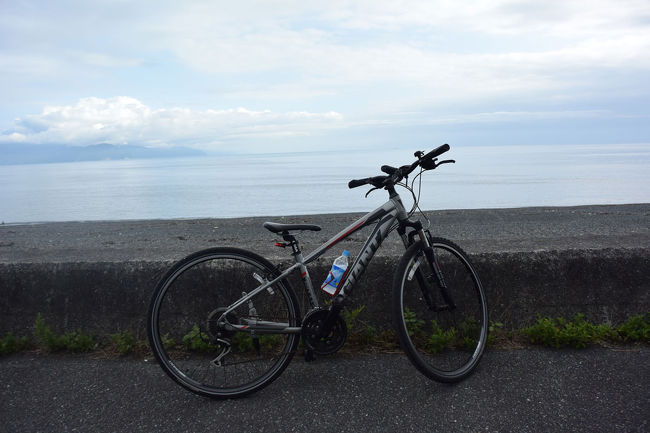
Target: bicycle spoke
x,y
191,300
444,343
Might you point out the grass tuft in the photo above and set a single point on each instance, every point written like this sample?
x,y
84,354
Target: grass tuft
x,y
72,341
124,342
550,332
12,344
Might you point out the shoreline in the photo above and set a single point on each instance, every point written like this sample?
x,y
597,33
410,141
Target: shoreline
x,y
306,215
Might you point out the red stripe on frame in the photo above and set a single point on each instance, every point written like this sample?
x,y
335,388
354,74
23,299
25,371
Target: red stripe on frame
x,y
347,233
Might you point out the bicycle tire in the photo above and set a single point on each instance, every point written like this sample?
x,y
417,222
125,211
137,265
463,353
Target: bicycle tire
x,y
444,345
183,312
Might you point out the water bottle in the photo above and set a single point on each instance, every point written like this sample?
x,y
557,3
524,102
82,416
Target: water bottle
x,y
334,277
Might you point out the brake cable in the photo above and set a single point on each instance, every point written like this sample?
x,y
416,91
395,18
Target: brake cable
x,y
371,190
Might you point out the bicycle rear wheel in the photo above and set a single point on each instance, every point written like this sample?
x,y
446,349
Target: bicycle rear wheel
x,y
441,317
204,356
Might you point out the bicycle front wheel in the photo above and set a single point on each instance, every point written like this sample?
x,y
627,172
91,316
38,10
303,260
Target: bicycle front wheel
x,y
201,353
440,311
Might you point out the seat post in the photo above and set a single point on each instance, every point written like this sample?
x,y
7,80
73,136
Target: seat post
x,y
293,242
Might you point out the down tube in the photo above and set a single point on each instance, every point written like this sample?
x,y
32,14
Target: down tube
x,y
388,208
368,251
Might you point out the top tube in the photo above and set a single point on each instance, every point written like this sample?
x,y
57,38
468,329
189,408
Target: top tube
x,y
392,205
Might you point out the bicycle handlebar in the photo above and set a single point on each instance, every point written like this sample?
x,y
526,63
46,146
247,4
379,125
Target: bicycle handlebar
x,y
377,181
427,162
437,152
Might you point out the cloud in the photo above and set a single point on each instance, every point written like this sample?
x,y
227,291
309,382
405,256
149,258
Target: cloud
x,y
367,59
495,117
331,45
103,60
126,120
477,50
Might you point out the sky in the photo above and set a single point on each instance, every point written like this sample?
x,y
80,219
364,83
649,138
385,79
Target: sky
x,y
289,75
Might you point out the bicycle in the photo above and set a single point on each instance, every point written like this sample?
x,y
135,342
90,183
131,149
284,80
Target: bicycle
x,y
225,322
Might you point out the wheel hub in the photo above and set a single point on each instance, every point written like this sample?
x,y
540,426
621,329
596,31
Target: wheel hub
x,y
214,329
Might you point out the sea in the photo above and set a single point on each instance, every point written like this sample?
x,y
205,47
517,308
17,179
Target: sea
x,y
301,183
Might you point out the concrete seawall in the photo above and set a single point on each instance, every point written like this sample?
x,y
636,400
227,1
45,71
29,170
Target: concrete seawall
x,y
99,276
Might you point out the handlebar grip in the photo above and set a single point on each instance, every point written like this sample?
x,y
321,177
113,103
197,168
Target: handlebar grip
x,y
357,182
388,169
377,181
436,152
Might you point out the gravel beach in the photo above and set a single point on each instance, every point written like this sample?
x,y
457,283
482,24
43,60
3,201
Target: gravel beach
x,y
477,231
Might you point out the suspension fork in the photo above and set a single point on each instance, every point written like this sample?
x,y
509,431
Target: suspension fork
x,y
440,279
434,267
408,241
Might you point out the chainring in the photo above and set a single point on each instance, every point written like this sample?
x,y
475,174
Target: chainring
x,y
311,326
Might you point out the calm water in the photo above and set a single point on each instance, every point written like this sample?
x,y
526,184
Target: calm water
x,y
308,183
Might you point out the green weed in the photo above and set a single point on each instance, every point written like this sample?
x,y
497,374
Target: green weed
x,y
438,339
360,333
560,332
197,341
495,332
413,323
124,342
12,344
350,316
468,333
242,342
271,341
636,328
72,341
168,342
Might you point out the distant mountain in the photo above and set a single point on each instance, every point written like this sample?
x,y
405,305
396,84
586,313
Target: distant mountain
x,y
37,154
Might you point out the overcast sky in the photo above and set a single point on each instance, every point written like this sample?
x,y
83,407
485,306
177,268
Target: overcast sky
x,y
301,75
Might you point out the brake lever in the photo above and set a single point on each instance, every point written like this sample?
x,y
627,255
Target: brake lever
x,y
371,190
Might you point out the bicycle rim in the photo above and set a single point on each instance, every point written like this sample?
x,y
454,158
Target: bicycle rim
x,y
183,332
446,340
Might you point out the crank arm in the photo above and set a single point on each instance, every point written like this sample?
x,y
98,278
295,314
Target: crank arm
x,y
333,313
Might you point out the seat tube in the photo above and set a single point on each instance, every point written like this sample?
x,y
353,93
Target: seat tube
x,y
306,279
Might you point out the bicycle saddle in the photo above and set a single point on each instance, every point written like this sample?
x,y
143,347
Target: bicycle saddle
x,y
279,228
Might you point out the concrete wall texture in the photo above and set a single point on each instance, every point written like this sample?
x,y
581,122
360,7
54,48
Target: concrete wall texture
x,y
607,282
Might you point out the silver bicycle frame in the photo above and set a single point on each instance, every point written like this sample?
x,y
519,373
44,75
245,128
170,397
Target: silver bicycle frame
x,y
387,215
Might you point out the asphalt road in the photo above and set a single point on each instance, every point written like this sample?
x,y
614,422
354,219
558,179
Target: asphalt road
x,y
531,390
